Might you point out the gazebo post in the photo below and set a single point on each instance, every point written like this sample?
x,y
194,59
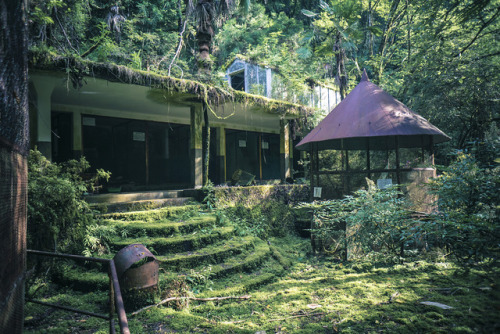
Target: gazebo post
x,y
348,173
398,169
422,145
316,158
311,173
368,163
431,149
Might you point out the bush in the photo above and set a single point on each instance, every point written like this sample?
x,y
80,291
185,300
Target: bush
x,y
370,222
263,211
57,214
467,220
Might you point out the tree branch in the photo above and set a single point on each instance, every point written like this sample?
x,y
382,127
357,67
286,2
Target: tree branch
x,y
484,26
64,33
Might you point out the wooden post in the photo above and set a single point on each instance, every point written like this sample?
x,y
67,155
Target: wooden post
x,y
431,149
368,162
316,160
311,172
206,140
348,175
220,134
398,171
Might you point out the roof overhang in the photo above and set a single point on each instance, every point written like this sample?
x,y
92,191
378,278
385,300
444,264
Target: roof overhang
x,y
118,91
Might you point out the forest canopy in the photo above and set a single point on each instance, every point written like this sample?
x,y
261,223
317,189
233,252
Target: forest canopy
x,y
441,58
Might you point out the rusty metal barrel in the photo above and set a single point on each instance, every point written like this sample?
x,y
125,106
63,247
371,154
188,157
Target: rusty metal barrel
x,y
137,268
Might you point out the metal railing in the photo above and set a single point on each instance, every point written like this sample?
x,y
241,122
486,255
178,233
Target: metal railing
x,y
115,295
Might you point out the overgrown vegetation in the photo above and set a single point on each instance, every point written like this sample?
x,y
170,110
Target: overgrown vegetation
x,y
381,223
58,217
467,222
262,211
315,295
438,57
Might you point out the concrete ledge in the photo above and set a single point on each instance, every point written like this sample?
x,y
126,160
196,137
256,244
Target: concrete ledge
x,y
129,197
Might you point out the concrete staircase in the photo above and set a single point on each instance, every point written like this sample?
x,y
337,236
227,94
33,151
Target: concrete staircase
x,y
144,200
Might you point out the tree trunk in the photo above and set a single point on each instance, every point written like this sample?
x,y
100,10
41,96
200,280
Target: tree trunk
x,y
204,33
340,66
14,139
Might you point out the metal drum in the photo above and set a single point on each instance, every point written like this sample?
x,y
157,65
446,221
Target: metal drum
x,y
137,268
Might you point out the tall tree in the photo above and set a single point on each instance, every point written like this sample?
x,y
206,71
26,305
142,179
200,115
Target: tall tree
x,y
13,162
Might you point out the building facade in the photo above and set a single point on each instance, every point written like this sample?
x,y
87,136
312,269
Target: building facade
x,y
148,130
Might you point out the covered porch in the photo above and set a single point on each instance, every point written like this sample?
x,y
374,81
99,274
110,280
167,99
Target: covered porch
x,y
150,133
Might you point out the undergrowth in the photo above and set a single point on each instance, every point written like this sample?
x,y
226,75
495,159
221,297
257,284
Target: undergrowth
x,y
314,295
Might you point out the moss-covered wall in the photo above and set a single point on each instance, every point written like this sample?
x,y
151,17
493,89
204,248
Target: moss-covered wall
x,y
255,195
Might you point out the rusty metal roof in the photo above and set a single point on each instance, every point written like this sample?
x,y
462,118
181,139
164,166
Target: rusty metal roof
x,y
370,117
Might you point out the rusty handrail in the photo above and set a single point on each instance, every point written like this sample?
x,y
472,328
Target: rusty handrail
x,y
115,292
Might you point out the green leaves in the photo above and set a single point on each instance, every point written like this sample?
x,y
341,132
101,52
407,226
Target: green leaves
x,y
57,213
308,13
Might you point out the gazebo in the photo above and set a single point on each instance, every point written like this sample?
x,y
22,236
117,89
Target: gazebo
x,y
369,119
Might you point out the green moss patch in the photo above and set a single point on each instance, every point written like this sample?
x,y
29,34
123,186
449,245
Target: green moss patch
x,y
181,212
182,243
164,227
209,255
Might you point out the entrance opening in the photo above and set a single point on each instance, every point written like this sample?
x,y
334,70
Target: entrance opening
x,y
238,80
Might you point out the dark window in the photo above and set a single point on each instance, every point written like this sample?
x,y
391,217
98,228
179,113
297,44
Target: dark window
x,y
238,81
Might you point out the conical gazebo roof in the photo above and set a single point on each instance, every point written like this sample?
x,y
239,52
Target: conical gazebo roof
x,y
370,118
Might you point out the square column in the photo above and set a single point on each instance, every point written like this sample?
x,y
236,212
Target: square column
x,y
196,147
77,135
220,163
43,127
285,150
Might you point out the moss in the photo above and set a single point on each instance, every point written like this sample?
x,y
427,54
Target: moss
x,y
77,68
186,211
246,262
175,244
208,255
163,227
313,295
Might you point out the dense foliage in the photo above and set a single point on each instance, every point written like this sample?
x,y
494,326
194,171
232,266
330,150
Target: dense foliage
x,y
57,214
371,222
438,57
464,225
467,221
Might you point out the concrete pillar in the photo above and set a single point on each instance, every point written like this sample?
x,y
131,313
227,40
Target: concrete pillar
x,y
77,135
43,136
196,147
220,163
285,150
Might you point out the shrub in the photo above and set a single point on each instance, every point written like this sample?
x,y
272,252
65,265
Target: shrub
x,y
57,214
263,211
370,222
467,220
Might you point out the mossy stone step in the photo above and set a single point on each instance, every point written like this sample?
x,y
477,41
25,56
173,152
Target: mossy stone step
x,y
82,279
143,204
133,196
245,262
209,255
179,212
181,243
162,228
245,283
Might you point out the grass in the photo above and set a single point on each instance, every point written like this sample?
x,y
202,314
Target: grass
x,y
308,295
